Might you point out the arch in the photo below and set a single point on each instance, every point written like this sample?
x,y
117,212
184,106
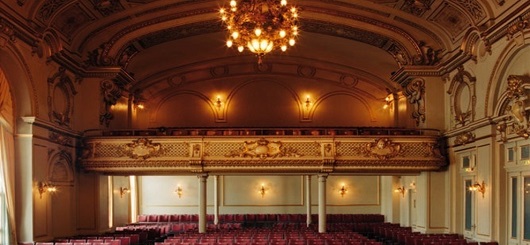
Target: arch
x,y
60,168
16,71
500,74
154,114
324,97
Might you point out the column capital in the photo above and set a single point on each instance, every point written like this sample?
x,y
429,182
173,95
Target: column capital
x,y
202,176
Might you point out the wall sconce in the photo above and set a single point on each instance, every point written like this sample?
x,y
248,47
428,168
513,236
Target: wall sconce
x,y
262,190
401,190
179,191
140,105
308,102
388,100
343,190
478,187
44,187
412,186
123,191
218,102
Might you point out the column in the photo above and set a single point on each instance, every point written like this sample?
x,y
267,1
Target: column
x,y
202,202
24,180
308,198
322,203
216,199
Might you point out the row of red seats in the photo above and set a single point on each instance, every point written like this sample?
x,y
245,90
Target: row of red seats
x,y
395,234
281,234
239,218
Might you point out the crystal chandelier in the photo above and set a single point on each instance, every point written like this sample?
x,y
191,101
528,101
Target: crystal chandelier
x,y
260,25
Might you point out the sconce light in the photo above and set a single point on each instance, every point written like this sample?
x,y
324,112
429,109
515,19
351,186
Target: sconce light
x,y
262,190
218,102
123,191
412,186
401,190
140,105
44,187
388,100
308,102
478,187
343,190
179,191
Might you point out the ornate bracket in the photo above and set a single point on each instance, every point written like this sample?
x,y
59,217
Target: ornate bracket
x,y
111,93
415,92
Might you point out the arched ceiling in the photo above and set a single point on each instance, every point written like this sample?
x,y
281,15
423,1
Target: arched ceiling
x,y
157,40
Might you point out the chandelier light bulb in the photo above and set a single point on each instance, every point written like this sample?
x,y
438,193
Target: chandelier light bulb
x,y
261,26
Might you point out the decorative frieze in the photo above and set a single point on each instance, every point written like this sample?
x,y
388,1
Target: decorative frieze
x,y
263,149
142,148
275,154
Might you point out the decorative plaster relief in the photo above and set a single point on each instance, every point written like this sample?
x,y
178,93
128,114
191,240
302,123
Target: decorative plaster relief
x,y
48,9
452,19
71,20
60,97
107,7
8,30
142,148
473,8
110,93
464,138
517,28
463,97
263,148
60,138
60,168
417,7
382,148
415,92
516,108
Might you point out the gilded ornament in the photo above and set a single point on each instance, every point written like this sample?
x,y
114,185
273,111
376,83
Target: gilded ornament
x,y
383,148
142,148
263,148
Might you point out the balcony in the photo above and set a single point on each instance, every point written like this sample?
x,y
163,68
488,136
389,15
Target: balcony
x,y
263,151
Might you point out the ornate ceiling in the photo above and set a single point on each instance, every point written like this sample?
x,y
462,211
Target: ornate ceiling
x,y
163,44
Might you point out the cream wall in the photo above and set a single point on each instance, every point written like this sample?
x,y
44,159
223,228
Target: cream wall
x,y
240,194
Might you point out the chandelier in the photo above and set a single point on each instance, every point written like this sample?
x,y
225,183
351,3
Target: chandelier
x,y
260,25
